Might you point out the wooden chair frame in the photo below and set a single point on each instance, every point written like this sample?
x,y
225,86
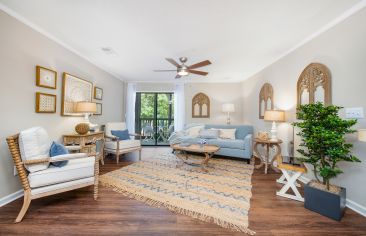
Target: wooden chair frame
x,y
119,151
13,143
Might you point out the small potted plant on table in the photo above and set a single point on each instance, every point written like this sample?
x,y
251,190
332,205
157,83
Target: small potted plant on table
x,y
322,134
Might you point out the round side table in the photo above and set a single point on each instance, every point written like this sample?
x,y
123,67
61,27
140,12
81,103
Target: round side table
x,y
265,159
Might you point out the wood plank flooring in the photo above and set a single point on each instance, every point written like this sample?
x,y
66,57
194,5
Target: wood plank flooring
x,y
76,213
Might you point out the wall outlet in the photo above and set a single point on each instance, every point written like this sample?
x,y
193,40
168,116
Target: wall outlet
x,y
354,113
15,171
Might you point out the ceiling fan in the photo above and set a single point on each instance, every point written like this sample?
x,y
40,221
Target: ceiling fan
x,y
184,70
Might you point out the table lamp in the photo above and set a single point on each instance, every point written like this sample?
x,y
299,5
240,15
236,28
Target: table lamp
x,y
362,135
86,108
228,107
274,115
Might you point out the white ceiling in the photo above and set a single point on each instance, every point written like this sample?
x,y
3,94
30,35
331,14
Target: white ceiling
x,y
240,37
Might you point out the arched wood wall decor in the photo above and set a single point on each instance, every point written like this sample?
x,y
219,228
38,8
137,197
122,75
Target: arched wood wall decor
x,y
265,99
314,85
200,106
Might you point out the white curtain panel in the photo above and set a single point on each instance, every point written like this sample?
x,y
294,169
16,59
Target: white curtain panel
x,y
130,107
179,107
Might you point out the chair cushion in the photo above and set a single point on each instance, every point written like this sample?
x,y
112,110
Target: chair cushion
x,y
114,126
34,144
56,150
70,184
75,169
123,144
121,134
228,143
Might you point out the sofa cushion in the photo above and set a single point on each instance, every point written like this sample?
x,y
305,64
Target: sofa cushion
x,y
227,143
189,139
209,133
123,144
194,131
241,130
75,169
34,144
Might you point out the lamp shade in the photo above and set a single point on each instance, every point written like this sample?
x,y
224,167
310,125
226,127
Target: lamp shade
x,y
274,115
228,107
86,107
362,135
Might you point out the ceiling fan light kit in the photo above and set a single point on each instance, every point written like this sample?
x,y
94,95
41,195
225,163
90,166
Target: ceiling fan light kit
x,y
183,70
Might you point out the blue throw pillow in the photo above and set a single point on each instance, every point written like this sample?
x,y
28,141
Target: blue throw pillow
x,y
121,134
56,150
209,133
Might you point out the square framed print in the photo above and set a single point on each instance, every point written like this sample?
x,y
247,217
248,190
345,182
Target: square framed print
x,y
46,78
98,93
99,109
74,90
45,103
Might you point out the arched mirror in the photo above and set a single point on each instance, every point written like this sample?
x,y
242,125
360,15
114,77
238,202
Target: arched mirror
x,y
314,85
265,99
200,106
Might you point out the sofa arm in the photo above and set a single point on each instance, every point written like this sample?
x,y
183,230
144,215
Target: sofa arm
x,y
248,143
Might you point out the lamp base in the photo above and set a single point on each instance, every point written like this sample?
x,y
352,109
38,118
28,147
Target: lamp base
x,y
274,132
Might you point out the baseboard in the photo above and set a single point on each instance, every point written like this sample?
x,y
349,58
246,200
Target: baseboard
x,y
356,207
349,203
11,197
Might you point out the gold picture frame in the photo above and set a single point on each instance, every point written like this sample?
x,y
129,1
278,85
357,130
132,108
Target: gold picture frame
x,y
200,106
46,78
45,102
99,111
98,93
74,89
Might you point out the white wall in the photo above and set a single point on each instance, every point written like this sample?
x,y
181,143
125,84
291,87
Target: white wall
x,y
219,93
21,49
343,50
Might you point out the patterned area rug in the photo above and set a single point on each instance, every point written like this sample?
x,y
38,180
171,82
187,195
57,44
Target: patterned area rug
x,y
221,195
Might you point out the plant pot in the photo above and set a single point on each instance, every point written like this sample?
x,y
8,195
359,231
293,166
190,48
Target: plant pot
x,y
325,203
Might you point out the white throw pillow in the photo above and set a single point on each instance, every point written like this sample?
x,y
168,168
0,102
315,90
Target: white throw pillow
x,y
226,133
194,131
34,144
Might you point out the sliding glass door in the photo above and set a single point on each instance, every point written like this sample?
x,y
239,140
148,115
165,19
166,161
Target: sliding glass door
x,y
154,118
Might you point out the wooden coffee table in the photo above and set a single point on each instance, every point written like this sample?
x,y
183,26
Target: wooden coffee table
x,y
207,150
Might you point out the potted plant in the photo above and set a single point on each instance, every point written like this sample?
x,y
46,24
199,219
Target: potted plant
x,y
323,145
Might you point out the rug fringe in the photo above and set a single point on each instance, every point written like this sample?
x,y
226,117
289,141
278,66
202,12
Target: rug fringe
x,y
179,210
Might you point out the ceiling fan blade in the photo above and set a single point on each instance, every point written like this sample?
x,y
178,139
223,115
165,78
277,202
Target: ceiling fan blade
x,y
198,72
177,76
172,61
199,64
163,70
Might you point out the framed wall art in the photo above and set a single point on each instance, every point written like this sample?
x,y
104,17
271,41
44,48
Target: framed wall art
x,y
45,103
46,78
200,106
314,85
99,109
74,90
265,99
98,93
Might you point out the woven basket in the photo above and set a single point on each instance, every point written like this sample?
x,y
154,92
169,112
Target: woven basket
x,y
82,128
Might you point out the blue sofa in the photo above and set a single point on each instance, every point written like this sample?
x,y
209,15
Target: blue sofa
x,y
240,147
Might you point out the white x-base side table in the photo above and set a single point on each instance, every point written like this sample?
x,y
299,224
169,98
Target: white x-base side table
x,y
290,174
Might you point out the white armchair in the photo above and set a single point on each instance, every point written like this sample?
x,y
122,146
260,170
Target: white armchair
x,y
30,153
115,146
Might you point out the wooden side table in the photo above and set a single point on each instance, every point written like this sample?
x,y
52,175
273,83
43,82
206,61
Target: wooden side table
x,y
265,160
86,142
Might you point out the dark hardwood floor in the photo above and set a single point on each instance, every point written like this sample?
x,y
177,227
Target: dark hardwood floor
x,y
76,213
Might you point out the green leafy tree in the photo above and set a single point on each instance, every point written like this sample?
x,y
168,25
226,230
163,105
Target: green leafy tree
x,y
322,134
